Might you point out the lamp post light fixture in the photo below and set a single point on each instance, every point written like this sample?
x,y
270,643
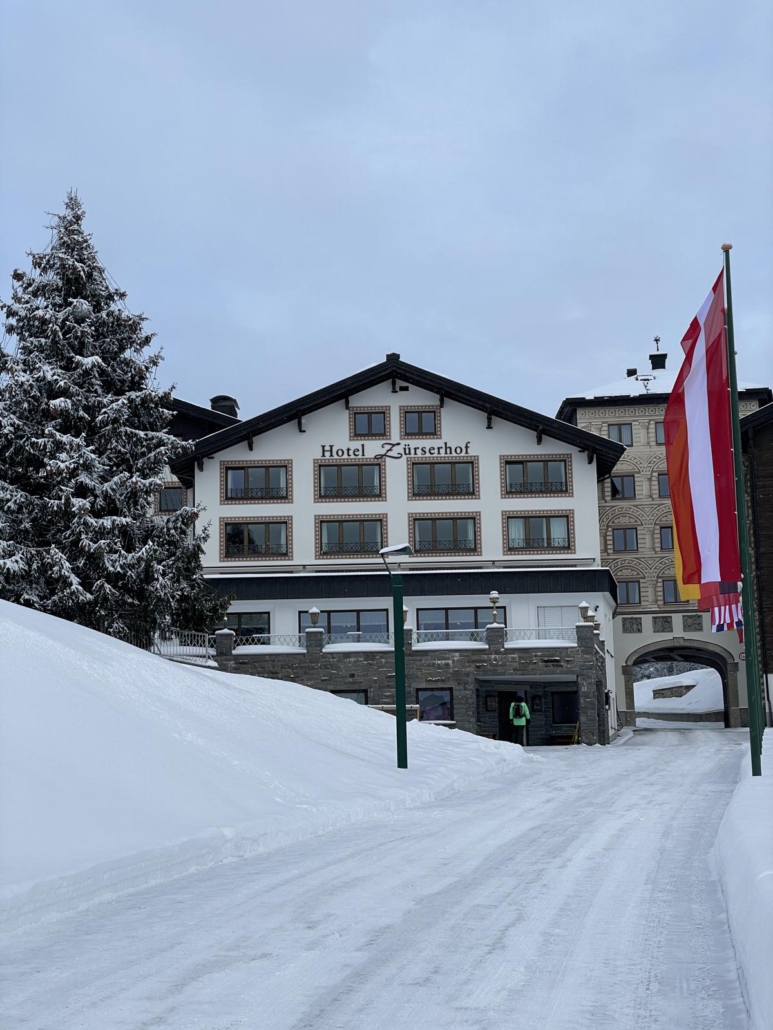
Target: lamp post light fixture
x,y
314,616
584,608
494,599
398,613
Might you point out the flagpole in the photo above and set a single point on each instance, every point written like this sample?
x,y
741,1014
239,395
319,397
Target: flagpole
x,y
754,695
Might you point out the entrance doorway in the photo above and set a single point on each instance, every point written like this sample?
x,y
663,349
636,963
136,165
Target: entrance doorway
x,y
665,659
504,700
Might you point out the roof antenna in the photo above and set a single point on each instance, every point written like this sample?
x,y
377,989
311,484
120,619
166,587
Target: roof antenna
x,y
656,341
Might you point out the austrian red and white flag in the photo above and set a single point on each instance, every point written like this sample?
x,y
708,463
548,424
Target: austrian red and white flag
x,y
699,454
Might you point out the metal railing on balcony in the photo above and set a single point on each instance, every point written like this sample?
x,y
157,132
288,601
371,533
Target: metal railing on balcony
x,y
364,547
449,636
350,491
514,635
434,546
269,640
257,493
518,544
239,551
443,490
360,637
181,645
541,487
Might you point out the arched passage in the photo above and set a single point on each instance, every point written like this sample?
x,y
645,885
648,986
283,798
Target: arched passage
x,y
699,652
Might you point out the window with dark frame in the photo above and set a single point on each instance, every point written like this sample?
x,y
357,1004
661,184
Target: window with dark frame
x,y
419,423
341,625
528,532
350,536
350,480
621,432
666,538
664,489
671,592
256,482
625,539
436,705
443,620
628,591
660,433
360,697
243,539
443,479
536,477
565,707
369,423
249,625
623,487
444,534
170,498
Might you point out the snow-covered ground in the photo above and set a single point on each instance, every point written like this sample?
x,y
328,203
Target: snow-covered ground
x,y
705,696
119,768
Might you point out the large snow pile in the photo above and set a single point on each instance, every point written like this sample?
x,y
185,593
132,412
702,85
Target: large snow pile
x,y
118,768
745,860
705,696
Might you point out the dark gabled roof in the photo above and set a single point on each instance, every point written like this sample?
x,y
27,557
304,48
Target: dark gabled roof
x,y
198,411
568,409
606,451
757,419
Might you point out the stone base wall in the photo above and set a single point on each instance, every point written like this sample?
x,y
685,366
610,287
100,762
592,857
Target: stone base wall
x,y
684,716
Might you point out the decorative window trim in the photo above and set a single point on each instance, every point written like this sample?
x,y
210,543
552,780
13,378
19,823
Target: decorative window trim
x,y
621,498
168,484
421,436
249,558
412,516
611,540
443,460
376,516
504,458
628,604
387,411
225,465
567,513
319,499
662,593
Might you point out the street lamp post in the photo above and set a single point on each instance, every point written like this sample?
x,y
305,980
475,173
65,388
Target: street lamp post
x,y
398,619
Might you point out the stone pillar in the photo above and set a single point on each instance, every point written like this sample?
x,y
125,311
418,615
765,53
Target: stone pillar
x,y
224,643
495,637
628,715
408,637
601,685
586,683
315,641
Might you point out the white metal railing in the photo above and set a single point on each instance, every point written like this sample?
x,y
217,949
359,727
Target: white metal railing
x,y
182,645
439,636
541,633
360,637
270,640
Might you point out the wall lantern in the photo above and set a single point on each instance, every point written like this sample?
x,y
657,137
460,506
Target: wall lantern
x,y
314,616
494,599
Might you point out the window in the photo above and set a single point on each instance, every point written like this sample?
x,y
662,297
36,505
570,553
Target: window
x,y
342,481
663,487
666,538
671,592
445,534
625,540
249,625
623,487
529,532
565,707
256,482
247,539
171,498
359,696
621,432
420,422
443,479
535,477
435,705
557,616
369,423
660,432
628,591
344,627
439,623
350,536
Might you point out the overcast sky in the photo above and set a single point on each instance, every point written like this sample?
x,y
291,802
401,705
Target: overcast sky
x,y
518,195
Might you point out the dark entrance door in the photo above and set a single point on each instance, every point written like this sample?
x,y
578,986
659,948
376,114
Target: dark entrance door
x,y
505,699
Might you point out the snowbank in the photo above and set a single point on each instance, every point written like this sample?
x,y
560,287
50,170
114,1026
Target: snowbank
x,y
119,768
705,696
744,853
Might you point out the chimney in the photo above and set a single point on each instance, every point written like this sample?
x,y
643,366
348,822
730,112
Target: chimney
x,y
225,405
393,357
658,361
630,373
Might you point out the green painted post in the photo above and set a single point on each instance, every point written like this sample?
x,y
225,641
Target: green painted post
x,y
753,692
397,622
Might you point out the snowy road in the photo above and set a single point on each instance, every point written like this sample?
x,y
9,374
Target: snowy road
x,y
571,893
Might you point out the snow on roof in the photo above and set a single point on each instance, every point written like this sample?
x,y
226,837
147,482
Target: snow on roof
x,y
660,382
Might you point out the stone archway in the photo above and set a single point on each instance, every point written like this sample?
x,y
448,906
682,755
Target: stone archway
x,y
700,652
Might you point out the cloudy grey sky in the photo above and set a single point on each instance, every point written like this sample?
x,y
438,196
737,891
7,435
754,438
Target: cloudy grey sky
x,y
519,195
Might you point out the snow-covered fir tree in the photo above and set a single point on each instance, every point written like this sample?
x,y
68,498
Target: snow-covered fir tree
x,y
83,449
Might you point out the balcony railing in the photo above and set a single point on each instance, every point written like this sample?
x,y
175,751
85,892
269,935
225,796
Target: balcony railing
x,y
360,637
447,636
565,633
366,547
350,491
537,541
430,546
239,551
443,490
549,487
256,493
269,640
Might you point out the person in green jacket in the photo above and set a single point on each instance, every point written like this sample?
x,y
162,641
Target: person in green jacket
x,y
519,715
